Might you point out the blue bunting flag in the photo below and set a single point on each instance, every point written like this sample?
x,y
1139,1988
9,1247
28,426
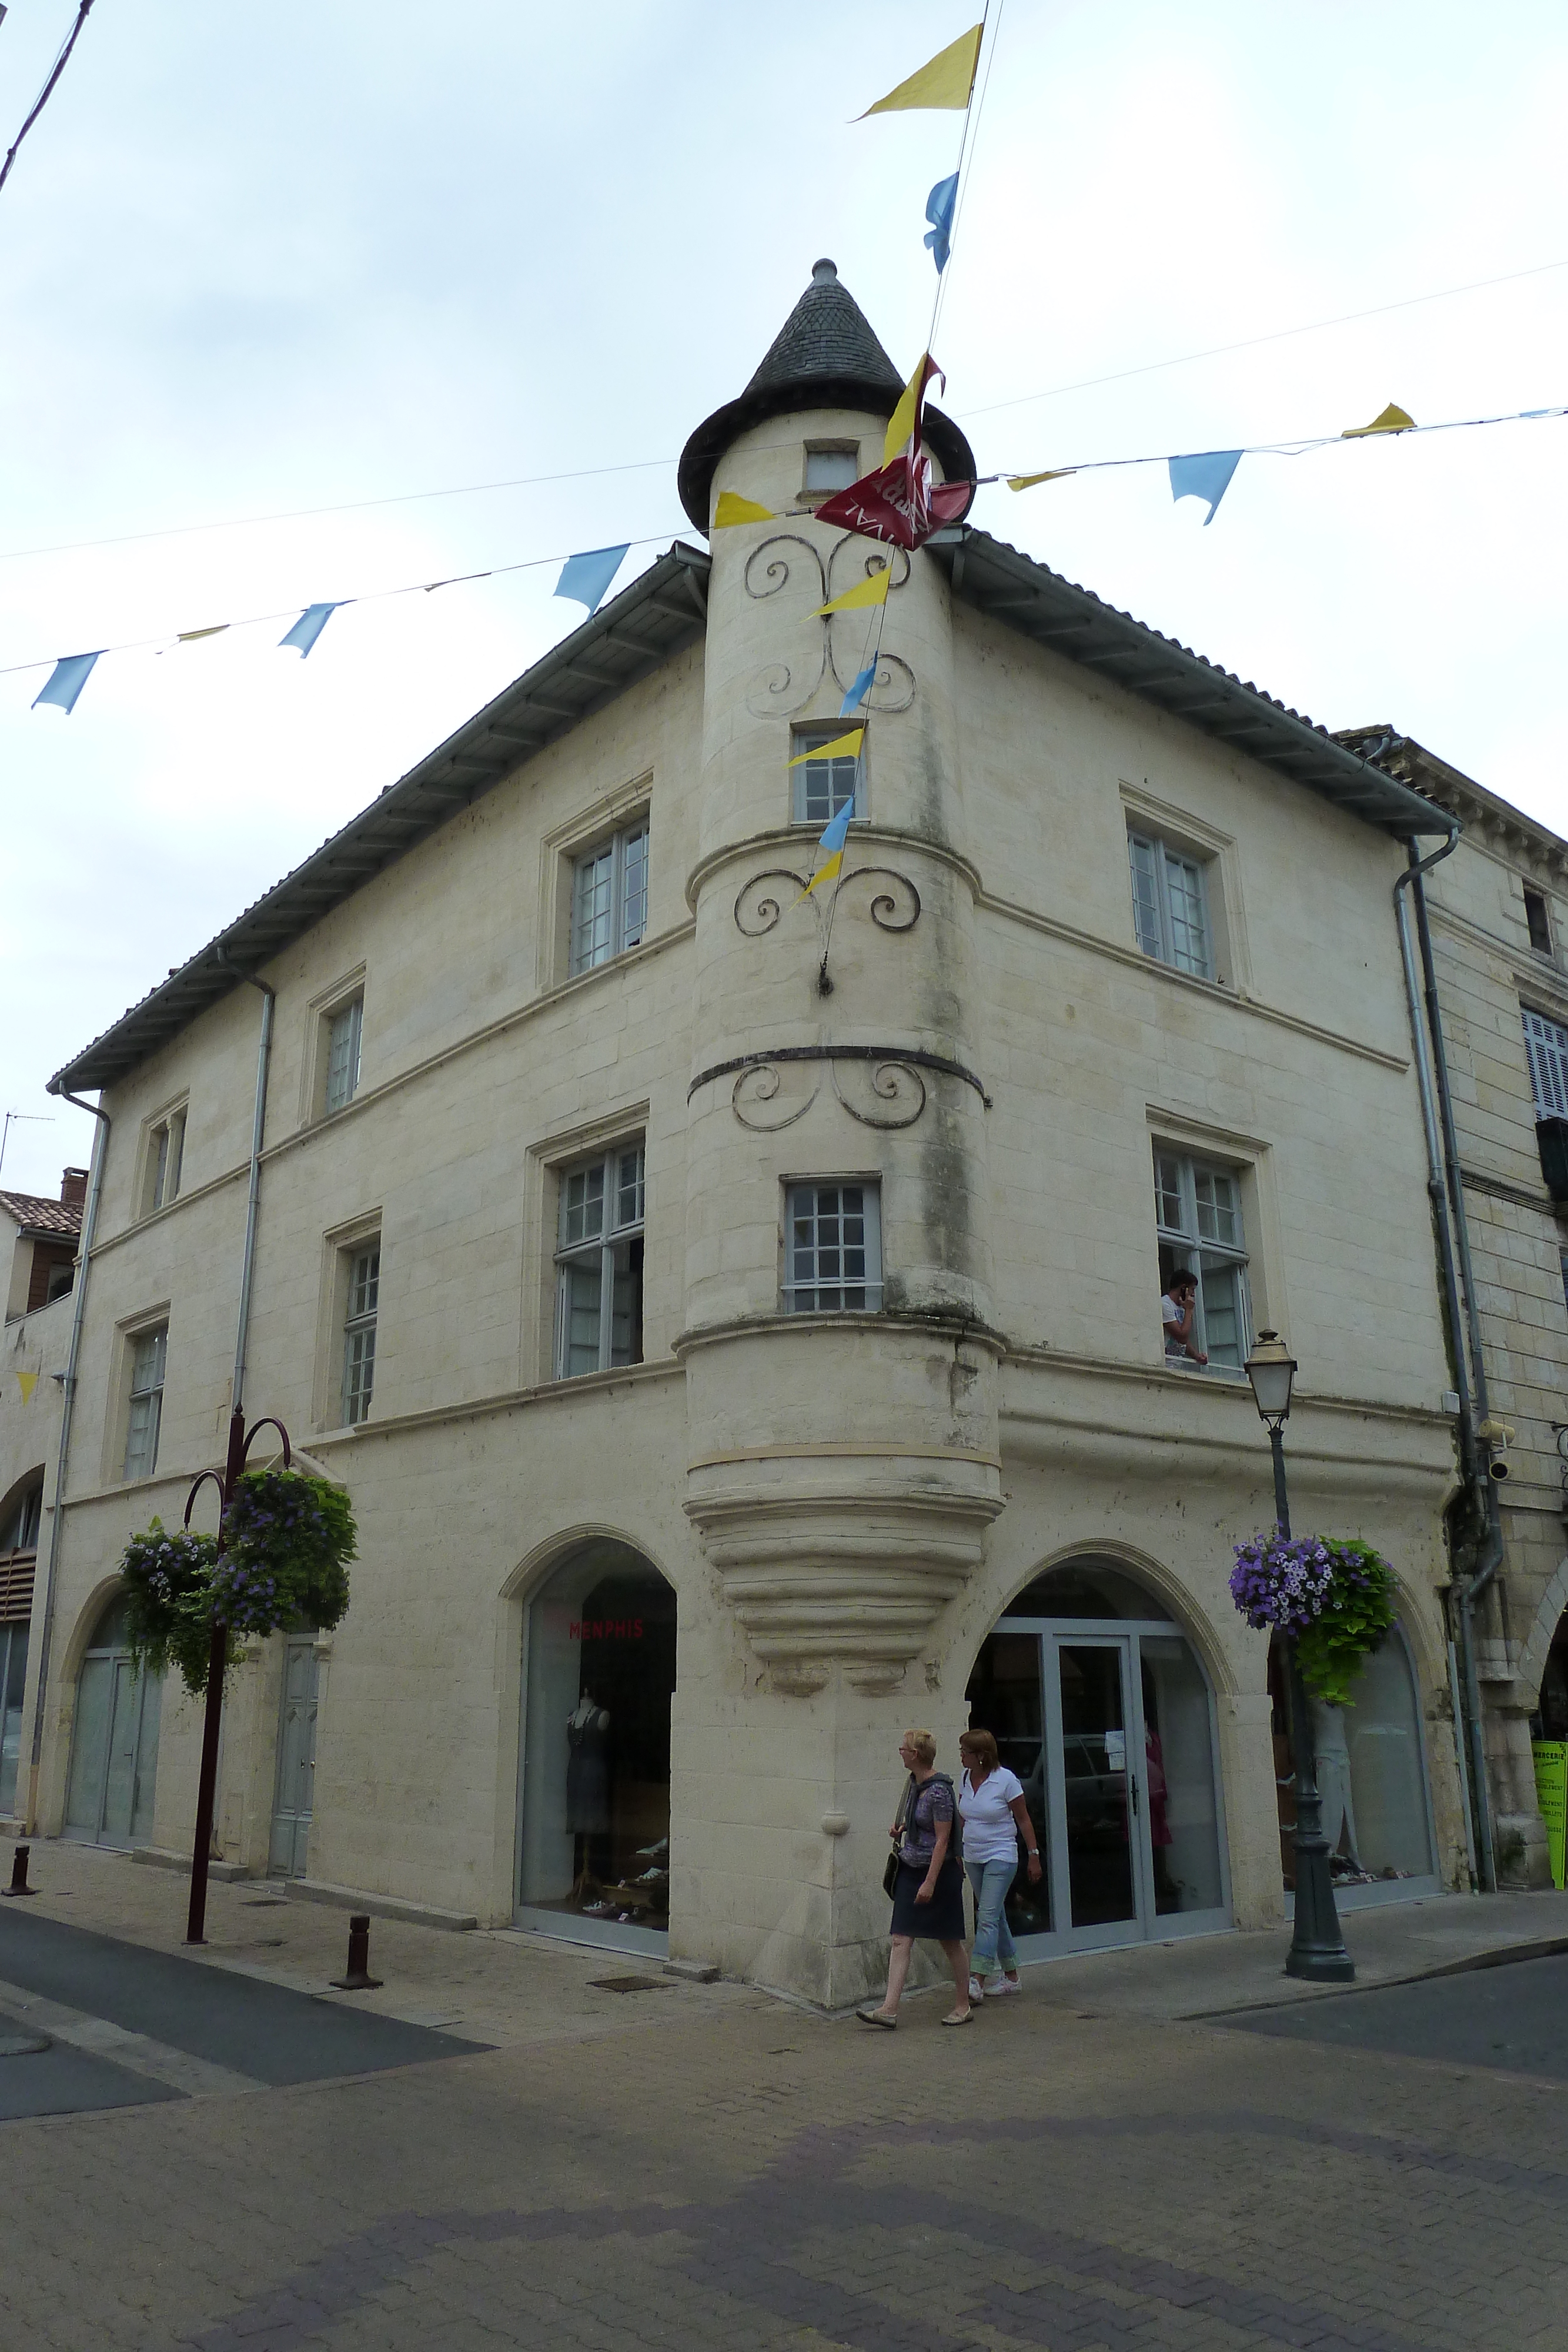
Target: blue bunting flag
x,y
1205,476
67,679
585,578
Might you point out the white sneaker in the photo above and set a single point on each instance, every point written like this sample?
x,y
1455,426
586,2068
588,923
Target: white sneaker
x,y
1003,1984
977,1990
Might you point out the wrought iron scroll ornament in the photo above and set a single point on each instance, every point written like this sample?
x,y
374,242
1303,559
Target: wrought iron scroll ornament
x,y
758,910
899,1092
894,681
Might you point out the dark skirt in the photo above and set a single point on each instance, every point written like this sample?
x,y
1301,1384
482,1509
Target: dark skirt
x,y
941,1919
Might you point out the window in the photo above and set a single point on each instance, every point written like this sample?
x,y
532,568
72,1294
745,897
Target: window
x,y
1540,922
1170,905
165,1153
344,1029
822,787
148,1352
360,1331
1198,1214
599,1264
59,1283
1546,1045
609,899
19,1529
832,469
833,1248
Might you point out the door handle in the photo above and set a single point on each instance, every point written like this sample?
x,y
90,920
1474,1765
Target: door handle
x,y
1133,1787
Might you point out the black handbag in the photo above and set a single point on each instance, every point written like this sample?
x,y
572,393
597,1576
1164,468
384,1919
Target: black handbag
x,y
890,1875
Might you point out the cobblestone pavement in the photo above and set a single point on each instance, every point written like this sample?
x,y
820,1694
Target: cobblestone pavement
x,y
709,2168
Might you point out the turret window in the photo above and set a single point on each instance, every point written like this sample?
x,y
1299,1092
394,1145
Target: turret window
x,y
833,1248
831,468
822,787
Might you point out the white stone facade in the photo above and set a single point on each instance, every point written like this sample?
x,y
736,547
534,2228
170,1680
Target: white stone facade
x,y
844,1503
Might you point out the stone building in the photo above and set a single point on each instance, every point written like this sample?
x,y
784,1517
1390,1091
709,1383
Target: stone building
x,y
1499,928
735,1315
39,1240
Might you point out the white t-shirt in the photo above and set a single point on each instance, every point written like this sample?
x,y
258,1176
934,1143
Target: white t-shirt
x,y
990,1830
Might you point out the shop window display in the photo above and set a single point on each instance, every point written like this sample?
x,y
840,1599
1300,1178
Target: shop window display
x,y
600,1670
1371,1775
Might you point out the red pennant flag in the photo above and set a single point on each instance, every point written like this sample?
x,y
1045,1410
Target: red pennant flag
x,y
900,504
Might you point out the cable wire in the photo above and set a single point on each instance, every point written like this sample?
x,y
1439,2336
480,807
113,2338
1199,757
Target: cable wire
x,y
43,98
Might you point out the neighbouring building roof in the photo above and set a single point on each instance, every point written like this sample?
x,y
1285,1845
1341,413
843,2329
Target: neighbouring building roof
x,y
41,1219
1071,620
623,642
653,619
1524,839
824,356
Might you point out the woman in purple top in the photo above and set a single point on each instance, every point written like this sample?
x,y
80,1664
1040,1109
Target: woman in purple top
x,y
928,1895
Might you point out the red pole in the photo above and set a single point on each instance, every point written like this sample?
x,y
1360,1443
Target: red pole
x,y
207,1787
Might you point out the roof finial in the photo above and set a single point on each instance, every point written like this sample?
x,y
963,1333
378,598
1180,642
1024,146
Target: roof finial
x,y
822,270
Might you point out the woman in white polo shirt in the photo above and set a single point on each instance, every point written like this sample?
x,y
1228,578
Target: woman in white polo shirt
x,y
991,1804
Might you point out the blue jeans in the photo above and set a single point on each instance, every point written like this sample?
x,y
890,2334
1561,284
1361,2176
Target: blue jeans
x,y
994,1948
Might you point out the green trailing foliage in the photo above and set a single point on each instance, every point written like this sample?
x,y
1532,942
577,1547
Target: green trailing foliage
x,y
286,1545
1363,1605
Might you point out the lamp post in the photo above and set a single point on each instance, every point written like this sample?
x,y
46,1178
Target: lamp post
x,y
1317,1947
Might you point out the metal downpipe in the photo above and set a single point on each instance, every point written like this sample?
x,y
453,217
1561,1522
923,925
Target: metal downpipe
x,y
68,1410
253,1197
1483,1489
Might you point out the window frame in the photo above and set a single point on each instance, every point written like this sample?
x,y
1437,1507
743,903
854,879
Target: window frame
x,y
1164,854
357,1386
830,795
1186,1246
1546,1056
850,450
351,1009
1537,903
163,1159
792,1289
146,1440
621,933
575,1254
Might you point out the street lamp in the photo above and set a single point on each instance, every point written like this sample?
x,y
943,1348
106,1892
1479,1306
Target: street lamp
x,y
1317,1947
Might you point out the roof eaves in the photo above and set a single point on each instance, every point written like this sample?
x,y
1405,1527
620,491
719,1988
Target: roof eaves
x,y
655,617
1002,582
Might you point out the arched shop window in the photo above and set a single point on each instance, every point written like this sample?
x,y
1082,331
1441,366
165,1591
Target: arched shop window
x,y
599,1673
1372,1778
1101,1705
114,1741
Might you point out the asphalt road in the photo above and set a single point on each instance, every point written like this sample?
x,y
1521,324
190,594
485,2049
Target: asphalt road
x,y
161,2006
1514,2017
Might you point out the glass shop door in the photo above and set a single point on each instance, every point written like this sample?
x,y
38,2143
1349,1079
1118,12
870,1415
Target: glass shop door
x,y
1099,1828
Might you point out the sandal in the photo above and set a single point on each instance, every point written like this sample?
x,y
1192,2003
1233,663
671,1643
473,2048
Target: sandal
x,y
959,2017
876,2017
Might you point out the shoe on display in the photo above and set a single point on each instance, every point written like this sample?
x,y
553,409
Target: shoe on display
x,y
651,1878
599,1910
654,1853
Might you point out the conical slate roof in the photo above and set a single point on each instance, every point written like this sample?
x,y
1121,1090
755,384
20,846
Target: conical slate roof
x,y
824,356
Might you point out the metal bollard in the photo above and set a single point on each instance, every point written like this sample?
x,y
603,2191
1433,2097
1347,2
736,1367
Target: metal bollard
x,y
356,1977
19,1873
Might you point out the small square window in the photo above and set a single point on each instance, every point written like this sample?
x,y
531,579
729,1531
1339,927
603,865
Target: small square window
x,y
1170,905
831,470
1538,921
344,1030
609,899
364,1271
833,1248
822,787
599,1264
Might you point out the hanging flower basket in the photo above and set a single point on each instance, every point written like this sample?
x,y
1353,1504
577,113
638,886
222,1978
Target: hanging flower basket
x,y
287,1542
168,1602
1338,1599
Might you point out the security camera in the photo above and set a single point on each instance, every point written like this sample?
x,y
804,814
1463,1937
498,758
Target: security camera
x,y
1497,1436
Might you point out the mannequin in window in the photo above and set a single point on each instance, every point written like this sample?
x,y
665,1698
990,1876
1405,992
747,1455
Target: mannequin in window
x,y
587,1791
1332,1749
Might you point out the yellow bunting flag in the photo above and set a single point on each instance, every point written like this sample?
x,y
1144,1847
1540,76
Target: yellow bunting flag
x,y
901,425
189,637
1028,481
832,841
27,1382
733,508
947,81
1393,420
842,747
872,590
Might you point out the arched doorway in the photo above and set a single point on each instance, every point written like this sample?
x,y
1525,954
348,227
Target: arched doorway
x,y
1549,1747
114,1740
1101,1705
1371,1768
598,1673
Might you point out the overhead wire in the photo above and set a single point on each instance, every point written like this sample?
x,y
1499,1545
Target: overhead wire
x,y
43,95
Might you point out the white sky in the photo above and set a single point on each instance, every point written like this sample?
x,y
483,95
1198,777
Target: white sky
x,y
326,250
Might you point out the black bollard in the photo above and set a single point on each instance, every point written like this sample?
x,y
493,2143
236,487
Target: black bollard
x,y
19,1873
356,1977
